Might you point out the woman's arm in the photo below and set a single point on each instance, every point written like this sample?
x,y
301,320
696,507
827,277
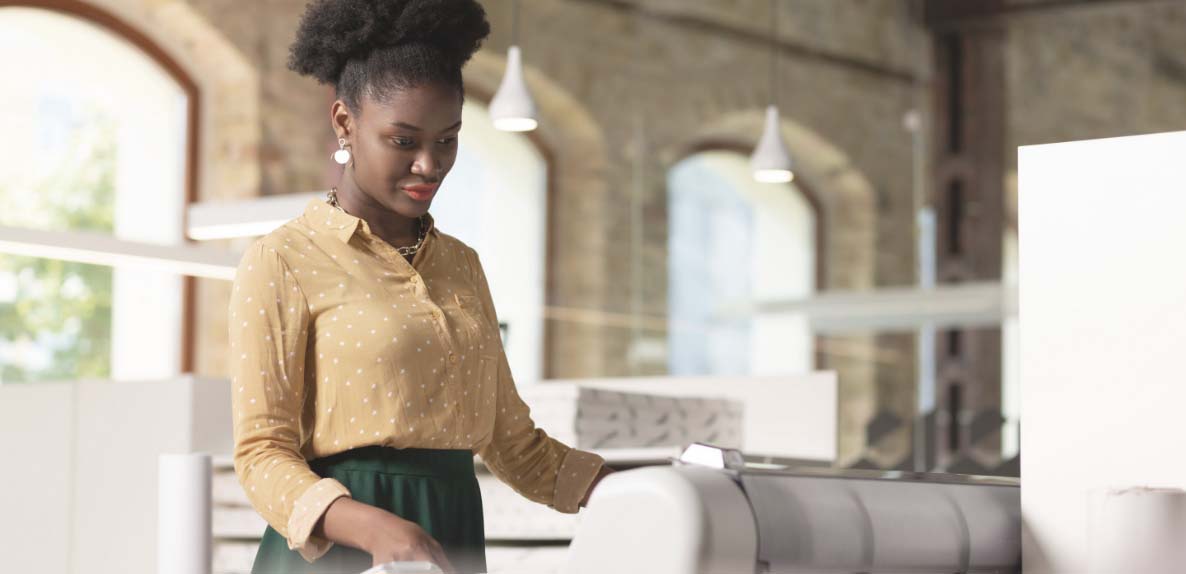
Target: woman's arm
x,y
518,453
344,523
268,325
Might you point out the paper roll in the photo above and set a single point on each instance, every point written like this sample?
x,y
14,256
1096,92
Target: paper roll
x,y
1137,530
183,523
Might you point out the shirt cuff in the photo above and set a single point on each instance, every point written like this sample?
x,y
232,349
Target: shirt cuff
x,y
307,510
574,478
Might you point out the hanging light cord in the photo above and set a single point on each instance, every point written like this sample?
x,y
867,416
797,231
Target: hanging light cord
x,y
515,23
773,52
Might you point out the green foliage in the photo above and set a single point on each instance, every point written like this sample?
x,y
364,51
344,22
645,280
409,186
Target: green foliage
x,y
59,307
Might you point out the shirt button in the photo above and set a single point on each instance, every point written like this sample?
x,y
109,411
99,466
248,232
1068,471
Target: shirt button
x,y
436,314
452,358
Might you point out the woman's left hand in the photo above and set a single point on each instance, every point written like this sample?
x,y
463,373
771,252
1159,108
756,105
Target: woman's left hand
x,y
602,473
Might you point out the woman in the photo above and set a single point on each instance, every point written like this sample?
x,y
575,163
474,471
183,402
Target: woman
x,y
366,358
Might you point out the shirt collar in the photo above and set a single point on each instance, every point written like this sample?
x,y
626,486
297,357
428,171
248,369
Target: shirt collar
x,y
324,217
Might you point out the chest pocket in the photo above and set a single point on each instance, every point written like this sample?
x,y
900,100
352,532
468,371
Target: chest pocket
x,y
470,320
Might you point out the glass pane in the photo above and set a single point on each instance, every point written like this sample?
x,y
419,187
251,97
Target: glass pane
x,y
94,142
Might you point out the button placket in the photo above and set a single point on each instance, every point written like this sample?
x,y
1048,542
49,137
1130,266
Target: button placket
x,y
439,318
419,289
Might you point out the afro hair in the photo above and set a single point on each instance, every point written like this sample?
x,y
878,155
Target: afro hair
x,y
380,45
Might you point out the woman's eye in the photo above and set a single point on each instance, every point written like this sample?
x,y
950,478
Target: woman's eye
x,y
448,140
403,142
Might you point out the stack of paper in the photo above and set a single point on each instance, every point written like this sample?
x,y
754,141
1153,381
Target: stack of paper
x,y
597,418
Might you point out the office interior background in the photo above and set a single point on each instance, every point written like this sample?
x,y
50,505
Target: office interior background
x,y
625,236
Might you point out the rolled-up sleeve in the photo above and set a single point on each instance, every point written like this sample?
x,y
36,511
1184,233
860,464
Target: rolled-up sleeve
x,y
523,456
268,332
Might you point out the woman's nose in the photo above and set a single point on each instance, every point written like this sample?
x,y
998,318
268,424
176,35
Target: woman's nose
x,y
425,165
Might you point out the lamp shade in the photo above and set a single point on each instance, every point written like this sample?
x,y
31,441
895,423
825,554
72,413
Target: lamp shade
x,y
512,108
770,162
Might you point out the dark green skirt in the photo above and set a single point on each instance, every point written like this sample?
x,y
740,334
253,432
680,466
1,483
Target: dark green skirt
x,y
434,488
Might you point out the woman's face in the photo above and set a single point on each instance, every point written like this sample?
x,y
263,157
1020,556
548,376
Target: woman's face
x,y
403,147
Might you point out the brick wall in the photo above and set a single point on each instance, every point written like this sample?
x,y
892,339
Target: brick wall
x,y
628,87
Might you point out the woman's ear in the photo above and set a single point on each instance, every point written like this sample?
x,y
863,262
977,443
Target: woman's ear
x,y
341,119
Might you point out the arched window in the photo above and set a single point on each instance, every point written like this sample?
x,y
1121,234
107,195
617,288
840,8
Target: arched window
x,y
734,246
95,132
495,199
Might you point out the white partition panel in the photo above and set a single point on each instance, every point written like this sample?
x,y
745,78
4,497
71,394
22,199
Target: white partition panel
x,y
36,478
78,488
1103,332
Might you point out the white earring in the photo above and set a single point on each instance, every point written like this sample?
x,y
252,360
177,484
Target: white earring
x,y
342,156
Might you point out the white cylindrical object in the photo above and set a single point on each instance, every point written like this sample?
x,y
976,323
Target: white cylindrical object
x,y
665,520
1137,530
183,514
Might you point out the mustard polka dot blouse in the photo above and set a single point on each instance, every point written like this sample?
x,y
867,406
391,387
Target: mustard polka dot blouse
x,y
337,342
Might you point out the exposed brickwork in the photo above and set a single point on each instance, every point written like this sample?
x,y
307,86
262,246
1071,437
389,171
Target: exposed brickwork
x,y
626,88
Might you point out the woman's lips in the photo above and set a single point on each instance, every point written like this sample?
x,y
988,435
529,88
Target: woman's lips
x,y
420,192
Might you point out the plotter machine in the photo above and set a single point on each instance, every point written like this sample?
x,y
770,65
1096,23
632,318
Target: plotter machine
x,y
712,513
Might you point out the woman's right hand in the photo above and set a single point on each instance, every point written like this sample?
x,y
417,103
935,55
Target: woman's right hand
x,y
382,534
394,539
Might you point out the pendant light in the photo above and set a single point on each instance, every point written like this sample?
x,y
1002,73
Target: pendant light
x,y
770,162
512,108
